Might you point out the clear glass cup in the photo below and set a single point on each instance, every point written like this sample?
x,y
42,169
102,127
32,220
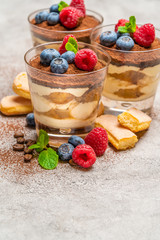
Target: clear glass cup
x,y
42,35
132,78
65,104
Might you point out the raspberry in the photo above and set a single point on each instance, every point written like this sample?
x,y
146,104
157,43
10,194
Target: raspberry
x,y
98,140
121,22
70,17
84,156
86,59
145,35
79,4
65,40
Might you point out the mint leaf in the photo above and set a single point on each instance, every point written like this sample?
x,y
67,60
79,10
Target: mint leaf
x,y
48,159
72,45
122,29
130,27
43,138
132,21
62,5
37,147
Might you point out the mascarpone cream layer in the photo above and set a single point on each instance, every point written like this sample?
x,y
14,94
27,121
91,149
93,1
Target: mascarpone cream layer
x,y
46,91
63,123
150,71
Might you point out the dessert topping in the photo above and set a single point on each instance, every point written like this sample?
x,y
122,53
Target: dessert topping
x,y
98,140
59,65
71,17
41,17
30,120
145,35
69,56
65,151
108,38
62,5
125,43
54,8
86,59
47,55
62,48
48,158
53,18
76,140
121,22
79,4
129,27
84,156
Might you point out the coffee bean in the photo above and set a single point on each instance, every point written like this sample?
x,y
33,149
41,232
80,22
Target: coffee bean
x,y
27,150
18,134
27,157
28,140
18,147
20,140
73,164
31,142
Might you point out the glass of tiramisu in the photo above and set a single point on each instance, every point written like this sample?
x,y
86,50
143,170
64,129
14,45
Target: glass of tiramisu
x,y
51,24
65,104
134,72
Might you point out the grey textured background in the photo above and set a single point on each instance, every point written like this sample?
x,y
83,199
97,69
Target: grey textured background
x,y
119,198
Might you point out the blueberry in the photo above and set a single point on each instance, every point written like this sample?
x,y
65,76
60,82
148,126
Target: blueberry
x,y
41,17
122,34
75,140
30,120
69,56
65,151
125,43
53,18
108,38
47,55
54,8
59,65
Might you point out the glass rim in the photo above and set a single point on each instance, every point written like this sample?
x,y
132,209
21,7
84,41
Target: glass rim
x,y
119,50
67,75
67,31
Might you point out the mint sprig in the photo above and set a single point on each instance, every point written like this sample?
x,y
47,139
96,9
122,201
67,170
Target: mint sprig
x,y
130,27
48,158
72,45
62,5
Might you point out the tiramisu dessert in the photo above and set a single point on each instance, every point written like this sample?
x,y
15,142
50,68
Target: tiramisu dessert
x,y
135,64
66,81
61,19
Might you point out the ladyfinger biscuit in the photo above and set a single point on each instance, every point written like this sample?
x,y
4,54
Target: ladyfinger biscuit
x,y
135,120
20,85
15,105
120,137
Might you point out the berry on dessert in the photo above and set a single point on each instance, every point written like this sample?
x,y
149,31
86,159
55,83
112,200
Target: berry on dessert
x,y
145,35
76,140
30,120
86,59
62,48
125,43
70,17
121,22
84,156
122,34
98,140
108,38
69,56
59,65
54,8
65,151
41,17
53,18
47,55
79,4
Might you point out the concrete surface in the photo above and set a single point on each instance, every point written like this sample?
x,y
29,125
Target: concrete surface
x,y
119,198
